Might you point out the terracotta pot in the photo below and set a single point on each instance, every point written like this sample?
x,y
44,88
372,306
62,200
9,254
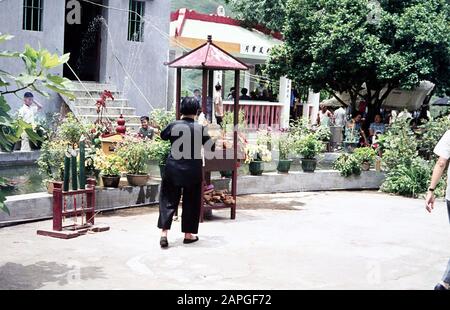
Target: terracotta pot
x,y
50,187
111,180
365,166
137,179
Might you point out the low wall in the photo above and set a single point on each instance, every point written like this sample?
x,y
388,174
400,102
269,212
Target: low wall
x,y
30,207
38,206
18,158
322,180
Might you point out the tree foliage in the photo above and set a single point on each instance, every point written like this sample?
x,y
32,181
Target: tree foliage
x,y
270,13
344,45
35,77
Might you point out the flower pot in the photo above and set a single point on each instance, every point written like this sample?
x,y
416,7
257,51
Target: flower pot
x,y
256,167
309,165
50,187
137,179
162,171
226,174
284,165
111,180
365,166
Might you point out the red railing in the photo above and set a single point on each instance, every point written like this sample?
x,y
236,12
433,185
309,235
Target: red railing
x,y
259,115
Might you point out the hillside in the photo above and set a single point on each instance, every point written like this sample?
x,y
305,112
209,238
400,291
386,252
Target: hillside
x,y
204,6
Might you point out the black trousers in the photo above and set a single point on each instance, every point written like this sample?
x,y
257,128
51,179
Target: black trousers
x,y
169,200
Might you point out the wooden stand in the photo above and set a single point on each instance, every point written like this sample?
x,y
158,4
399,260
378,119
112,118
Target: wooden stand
x,y
86,212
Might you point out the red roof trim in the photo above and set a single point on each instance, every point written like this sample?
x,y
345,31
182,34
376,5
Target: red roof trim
x,y
212,18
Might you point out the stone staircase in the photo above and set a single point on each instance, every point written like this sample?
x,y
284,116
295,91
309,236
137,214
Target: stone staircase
x,y
84,107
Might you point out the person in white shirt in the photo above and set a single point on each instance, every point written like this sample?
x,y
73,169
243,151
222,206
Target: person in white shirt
x,y
27,113
340,117
442,150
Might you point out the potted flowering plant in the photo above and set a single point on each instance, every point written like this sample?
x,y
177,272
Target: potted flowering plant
x,y
110,167
284,143
256,155
308,146
136,153
366,156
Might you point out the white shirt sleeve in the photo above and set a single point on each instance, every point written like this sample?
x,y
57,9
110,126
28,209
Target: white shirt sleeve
x,y
442,149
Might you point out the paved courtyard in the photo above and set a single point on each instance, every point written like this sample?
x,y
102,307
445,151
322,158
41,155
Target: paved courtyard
x,y
326,240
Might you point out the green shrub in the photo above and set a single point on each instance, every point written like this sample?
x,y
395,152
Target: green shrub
x,y
430,133
347,165
308,146
398,145
365,154
161,118
408,179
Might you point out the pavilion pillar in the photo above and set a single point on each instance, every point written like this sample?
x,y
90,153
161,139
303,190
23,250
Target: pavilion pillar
x,y
178,93
204,90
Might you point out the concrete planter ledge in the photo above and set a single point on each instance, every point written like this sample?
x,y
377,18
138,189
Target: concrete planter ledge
x,y
321,180
38,206
19,158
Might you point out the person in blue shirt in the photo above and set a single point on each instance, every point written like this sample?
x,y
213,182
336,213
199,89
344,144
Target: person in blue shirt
x,y
377,126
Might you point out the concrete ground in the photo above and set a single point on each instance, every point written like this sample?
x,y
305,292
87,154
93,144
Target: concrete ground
x,y
320,240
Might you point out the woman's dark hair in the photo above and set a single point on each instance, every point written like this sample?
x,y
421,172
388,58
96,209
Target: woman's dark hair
x,y
189,106
145,118
218,87
355,114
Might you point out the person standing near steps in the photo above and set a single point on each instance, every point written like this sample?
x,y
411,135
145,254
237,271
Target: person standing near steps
x,y
442,150
183,174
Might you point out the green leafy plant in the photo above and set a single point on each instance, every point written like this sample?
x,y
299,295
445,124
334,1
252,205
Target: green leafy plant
x,y
35,77
136,153
71,130
160,150
285,143
51,160
429,134
408,179
398,145
323,133
308,146
160,118
365,154
228,120
109,165
347,165
264,137
258,152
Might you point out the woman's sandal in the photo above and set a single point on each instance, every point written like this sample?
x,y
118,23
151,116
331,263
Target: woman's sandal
x,y
187,241
163,242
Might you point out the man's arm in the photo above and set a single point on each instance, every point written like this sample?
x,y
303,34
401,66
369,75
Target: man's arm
x,y
38,104
438,171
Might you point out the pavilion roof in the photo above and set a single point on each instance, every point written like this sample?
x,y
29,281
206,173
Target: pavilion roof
x,y
208,56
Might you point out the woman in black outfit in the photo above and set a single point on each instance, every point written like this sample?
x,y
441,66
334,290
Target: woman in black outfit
x,y
183,174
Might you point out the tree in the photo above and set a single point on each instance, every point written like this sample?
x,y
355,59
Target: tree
x,y
352,45
36,77
270,13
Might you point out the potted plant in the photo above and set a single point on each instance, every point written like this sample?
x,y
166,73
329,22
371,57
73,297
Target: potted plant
x,y
347,165
366,156
50,162
323,133
136,153
160,151
284,147
308,146
256,155
110,167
